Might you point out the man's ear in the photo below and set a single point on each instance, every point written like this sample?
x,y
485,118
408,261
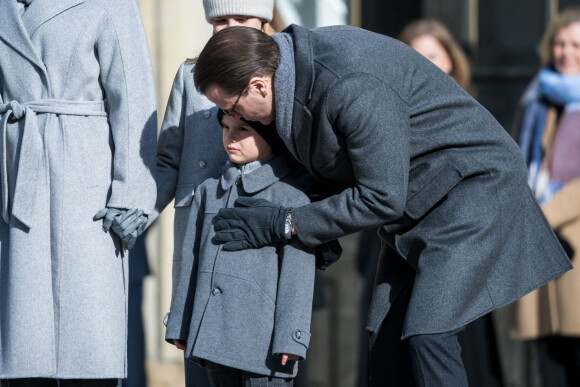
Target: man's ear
x,y
261,85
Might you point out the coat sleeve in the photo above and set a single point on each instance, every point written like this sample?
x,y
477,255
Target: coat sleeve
x,y
170,143
564,207
373,123
127,81
184,276
294,300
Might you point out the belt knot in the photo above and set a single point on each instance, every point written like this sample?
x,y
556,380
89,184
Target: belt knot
x,y
17,109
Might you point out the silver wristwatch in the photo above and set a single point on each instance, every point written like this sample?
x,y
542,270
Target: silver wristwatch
x,y
288,226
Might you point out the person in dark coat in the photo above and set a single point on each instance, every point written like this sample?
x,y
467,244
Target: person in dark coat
x,y
407,149
435,42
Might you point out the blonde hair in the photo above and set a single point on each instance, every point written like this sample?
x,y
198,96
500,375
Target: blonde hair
x,y
460,71
268,28
564,19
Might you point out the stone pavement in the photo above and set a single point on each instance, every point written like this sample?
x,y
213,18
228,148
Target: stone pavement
x,y
165,374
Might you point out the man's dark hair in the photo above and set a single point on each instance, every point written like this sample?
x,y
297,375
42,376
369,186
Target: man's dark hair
x,y
233,56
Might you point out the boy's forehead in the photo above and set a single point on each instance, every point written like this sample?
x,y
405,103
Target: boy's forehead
x,y
234,122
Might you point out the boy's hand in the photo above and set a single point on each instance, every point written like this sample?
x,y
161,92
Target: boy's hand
x,y
180,344
288,356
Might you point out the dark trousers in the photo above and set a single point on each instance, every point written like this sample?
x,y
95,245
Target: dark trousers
x,y
559,359
480,353
195,375
222,376
136,375
421,360
45,382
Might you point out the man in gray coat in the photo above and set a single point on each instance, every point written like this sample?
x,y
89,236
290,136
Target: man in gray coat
x,y
406,149
78,121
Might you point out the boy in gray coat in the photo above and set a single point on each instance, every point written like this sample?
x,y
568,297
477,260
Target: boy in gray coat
x,y
244,315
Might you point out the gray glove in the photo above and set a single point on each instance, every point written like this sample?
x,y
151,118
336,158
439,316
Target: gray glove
x,y
108,215
127,224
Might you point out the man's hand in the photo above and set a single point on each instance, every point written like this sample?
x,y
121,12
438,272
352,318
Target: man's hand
x,y
252,223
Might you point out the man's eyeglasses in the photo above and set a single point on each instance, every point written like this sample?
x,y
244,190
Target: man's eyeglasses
x,y
232,112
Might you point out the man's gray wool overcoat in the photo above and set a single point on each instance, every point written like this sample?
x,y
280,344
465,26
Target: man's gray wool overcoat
x,y
78,120
239,308
415,153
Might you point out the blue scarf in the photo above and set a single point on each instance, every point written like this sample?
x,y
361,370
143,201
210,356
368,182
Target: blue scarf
x,y
560,90
550,89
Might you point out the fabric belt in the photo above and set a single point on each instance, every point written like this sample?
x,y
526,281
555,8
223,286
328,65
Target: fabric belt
x,y
30,158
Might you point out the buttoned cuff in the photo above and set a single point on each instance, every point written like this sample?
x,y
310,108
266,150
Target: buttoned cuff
x,y
173,329
294,342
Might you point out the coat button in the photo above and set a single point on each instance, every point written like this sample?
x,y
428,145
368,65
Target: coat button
x,y
298,334
202,164
206,114
216,292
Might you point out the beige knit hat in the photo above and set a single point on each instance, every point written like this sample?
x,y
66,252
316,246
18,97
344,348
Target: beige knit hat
x,y
263,9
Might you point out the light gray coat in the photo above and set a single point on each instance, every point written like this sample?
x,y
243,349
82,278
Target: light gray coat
x,y
416,154
240,308
190,150
78,119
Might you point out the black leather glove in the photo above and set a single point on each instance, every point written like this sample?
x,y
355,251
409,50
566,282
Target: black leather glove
x,y
327,253
252,223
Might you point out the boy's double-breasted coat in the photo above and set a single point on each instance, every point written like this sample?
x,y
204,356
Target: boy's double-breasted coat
x,y
413,152
78,121
240,308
